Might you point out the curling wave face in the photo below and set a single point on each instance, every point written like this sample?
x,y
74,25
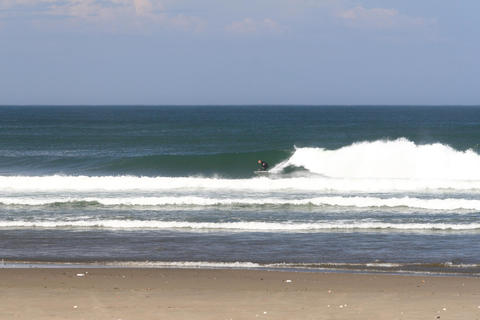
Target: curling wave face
x,y
379,166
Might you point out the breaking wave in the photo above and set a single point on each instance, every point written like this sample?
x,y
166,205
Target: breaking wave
x,y
378,166
388,159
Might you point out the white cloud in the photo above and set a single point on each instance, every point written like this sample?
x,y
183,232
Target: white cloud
x,y
7,4
106,8
113,14
249,25
360,13
142,7
379,18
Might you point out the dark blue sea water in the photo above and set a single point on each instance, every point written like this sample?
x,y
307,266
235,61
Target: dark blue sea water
x,y
348,187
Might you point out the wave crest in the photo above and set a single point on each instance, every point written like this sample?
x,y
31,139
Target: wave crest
x,y
388,159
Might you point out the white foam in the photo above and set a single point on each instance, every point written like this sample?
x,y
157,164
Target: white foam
x,y
324,266
357,201
240,226
55,183
387,159
186,264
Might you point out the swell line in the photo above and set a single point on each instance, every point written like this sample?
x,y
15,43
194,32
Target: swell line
x,y
357,201
238,226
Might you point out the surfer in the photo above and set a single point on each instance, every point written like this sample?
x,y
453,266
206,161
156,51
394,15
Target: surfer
x,y
263,165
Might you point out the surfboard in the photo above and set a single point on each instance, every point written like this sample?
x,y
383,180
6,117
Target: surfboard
x,y
261,172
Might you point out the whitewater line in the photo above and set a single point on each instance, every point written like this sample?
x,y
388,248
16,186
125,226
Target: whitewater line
x,y
238,226
58,183
357,201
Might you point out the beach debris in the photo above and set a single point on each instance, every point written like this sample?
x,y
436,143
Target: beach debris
x,y
288,281
328,306
444,309
329,291
264,312
80,274
75,307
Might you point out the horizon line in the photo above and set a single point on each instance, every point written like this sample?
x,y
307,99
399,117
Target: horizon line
x,y
240,105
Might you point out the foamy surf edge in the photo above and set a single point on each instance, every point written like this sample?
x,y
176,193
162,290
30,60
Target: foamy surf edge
x,y
247,226
440,268
56,183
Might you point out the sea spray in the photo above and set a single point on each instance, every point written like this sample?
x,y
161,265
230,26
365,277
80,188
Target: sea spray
x,y
388,159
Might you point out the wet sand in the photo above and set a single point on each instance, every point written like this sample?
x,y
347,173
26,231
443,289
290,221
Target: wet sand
x,y
231,294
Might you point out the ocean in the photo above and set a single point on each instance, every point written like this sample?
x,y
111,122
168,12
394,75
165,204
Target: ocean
x,y
356,188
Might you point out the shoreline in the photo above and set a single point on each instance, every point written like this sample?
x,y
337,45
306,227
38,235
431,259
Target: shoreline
x,y
239,266
155,293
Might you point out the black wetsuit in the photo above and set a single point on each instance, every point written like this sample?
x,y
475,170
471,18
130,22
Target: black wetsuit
x,y
263,165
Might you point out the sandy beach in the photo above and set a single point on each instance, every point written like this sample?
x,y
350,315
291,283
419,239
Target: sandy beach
x,y
231,294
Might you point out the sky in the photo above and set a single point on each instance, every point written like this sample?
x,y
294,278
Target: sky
x,y
163,52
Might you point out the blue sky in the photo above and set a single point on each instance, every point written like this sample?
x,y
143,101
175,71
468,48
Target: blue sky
x,y
239,52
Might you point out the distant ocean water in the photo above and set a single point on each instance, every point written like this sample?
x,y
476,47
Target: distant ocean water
x,y
349,187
